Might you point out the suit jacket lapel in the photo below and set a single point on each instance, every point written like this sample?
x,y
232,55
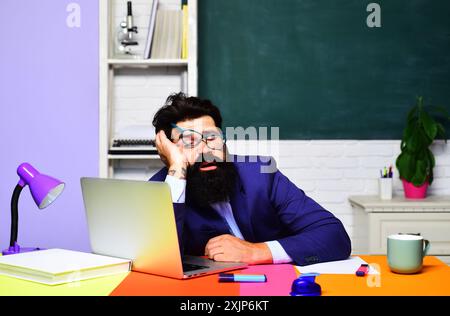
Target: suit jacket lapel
x,y
241,212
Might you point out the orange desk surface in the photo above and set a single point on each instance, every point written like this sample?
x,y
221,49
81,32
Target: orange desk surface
x,y
433,280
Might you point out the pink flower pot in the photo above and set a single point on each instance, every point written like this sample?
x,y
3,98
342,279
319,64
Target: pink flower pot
x,y
413,192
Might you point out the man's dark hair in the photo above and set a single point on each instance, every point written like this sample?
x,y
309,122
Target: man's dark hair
x,y
179,107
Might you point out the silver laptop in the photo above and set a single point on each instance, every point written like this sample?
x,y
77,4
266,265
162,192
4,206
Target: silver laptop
x,y
135,220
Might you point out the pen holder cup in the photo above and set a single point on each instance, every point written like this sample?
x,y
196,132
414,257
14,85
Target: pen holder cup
x,y
385,188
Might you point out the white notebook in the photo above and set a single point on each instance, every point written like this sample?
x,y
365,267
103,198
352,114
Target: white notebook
x,y
348,266
57,266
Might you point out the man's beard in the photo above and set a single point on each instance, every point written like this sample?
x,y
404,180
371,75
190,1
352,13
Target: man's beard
x,y
206,187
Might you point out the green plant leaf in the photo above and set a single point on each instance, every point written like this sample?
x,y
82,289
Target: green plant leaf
x,y
412,141
407,132
432,163
431,158
429,125
430,177
405,164
426,141
416,161
420,174
402,145
417,141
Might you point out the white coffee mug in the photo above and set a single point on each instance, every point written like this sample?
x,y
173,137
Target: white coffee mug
x,y
405,252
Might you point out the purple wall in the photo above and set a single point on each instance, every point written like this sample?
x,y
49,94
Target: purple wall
x,y
48,115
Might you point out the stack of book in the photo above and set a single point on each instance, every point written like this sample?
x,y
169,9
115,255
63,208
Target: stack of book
x,y
167,33
58,266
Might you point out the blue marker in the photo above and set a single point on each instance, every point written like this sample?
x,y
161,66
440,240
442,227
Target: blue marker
x,y
224,277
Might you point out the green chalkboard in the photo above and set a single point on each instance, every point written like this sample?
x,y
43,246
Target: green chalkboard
x,y
316,70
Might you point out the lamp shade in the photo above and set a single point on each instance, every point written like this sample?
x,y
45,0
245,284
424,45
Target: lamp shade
x,y
43,188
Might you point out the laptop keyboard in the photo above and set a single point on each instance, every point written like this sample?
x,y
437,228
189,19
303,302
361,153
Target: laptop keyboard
x,y
191,267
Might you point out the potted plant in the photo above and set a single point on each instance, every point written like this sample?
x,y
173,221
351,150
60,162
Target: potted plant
x,y
416,161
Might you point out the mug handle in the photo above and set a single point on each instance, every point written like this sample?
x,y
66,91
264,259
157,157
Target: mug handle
x,y
426,248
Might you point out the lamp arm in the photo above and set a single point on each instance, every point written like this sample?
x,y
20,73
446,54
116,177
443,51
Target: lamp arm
x,y
15,214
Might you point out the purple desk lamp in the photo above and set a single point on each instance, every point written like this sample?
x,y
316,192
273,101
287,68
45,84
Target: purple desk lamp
x,y
44,190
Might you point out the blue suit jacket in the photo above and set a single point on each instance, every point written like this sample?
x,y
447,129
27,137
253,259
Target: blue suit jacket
x,y
266,206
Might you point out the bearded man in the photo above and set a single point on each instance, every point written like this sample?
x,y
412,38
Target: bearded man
x,y
230,208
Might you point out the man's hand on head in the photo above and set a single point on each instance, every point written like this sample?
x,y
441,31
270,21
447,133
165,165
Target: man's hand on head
x,y
228,248
172,155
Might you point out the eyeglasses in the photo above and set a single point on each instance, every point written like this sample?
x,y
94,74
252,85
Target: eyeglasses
x,y
191,139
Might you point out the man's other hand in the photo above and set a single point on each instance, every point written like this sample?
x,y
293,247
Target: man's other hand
x,y
228,248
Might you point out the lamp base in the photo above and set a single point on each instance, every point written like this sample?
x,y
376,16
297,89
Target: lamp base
x,y
17,249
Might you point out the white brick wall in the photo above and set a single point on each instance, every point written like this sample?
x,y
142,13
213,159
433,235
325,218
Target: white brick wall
x,y
139,93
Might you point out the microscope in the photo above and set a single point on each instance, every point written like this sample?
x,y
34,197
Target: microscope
x,y
126,33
